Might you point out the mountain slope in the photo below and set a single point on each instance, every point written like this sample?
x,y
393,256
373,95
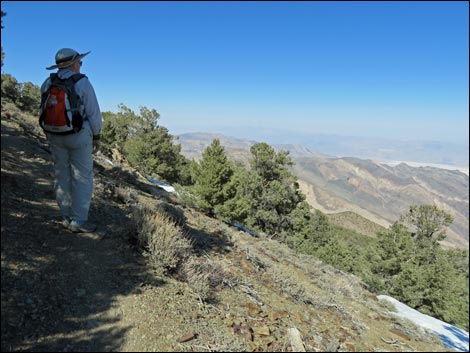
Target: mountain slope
x,y
382,193
63,291
351,220
378,192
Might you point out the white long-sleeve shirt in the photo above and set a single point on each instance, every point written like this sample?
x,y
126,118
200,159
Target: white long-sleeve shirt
x,y
92,113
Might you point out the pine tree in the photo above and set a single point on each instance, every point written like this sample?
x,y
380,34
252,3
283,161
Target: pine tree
x,y
3,53
336,253
117,129
237,207
447,297
154,153
11,89
395,248
410,285
309,229
427,223
212,176
417,271
30,98
147,146
274,191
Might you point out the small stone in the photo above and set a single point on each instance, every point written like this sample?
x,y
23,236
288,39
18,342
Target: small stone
x,y
261,330
187,337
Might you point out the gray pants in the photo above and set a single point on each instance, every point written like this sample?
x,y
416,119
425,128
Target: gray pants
x,y
73,167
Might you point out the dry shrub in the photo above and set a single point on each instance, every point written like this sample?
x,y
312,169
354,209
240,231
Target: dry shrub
x,y
117,193
174,213
127,196
163,242
289,285
409,328
197,276
204,275
388,305
253,256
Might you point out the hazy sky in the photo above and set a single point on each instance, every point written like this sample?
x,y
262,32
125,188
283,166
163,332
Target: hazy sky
x,y
396,70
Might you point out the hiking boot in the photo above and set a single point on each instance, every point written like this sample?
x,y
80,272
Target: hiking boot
x,y
85,227
66,222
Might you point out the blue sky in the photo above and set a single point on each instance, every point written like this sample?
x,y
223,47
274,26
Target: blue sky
x,y
396,70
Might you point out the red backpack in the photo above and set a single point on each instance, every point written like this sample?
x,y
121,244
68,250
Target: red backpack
x,y
61,106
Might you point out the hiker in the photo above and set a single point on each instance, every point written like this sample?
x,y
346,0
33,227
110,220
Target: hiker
x,y
72,150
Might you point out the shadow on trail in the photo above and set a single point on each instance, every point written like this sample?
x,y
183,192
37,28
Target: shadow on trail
x,y
59,289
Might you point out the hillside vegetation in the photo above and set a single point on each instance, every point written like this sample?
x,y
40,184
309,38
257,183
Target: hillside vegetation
x,y
165,272
223,290
375,191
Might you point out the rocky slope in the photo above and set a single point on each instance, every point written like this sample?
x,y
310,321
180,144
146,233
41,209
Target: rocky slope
x,y
63,291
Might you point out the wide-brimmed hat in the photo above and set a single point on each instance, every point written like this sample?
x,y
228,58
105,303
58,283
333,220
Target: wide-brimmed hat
x,y
66,57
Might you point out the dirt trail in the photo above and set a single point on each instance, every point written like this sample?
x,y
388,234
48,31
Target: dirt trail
x,y
63,291
59,289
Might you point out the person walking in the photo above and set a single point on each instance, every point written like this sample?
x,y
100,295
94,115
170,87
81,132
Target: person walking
x,y
72,152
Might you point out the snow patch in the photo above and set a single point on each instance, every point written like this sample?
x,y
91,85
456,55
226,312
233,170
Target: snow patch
x,y
451,336
162,185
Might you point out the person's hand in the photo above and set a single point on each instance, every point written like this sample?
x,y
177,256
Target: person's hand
x,y
96,143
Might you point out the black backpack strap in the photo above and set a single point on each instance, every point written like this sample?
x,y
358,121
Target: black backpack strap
x,y
77,77
73,96
71,81
55,78
74,78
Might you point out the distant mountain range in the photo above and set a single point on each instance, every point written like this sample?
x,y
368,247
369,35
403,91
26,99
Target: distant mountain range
x,y
373,190
385,150
390,150
382,193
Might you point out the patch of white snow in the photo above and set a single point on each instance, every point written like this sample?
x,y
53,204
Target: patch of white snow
x,y
451,336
